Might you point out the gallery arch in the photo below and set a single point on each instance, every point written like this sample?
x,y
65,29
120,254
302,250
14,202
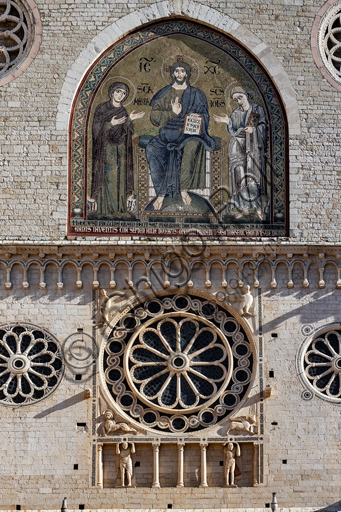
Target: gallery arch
x,y
190,138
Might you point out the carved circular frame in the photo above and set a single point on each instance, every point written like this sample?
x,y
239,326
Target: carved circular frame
x,y
172,361
193,421
317,359
31,364
322,16
33,46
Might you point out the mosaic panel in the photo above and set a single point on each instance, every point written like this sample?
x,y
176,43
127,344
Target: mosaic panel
x,y
177,130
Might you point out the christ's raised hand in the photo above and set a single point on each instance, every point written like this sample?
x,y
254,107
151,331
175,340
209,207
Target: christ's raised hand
x,y
176,106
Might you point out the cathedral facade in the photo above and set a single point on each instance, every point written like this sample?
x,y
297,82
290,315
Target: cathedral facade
x,y
170,255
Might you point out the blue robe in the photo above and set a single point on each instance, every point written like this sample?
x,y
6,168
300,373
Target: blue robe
x,y
247,159
164,152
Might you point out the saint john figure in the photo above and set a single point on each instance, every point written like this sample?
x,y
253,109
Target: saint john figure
x,y
246,155
175,168
112,155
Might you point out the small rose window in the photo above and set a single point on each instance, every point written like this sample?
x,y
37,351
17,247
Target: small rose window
x,y
326,42
320,360
20,37
31,364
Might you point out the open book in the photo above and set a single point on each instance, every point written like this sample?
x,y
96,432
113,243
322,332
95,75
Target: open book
x,y
193,125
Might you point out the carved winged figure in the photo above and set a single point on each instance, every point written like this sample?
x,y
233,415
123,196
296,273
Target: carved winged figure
x,y
242,423
111,425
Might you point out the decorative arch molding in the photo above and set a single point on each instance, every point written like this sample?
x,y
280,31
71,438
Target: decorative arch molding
x,y
192,11
254,264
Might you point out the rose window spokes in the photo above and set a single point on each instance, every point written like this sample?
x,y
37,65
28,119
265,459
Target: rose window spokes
x,y
323,364
15,32
30,364
331,42
178,364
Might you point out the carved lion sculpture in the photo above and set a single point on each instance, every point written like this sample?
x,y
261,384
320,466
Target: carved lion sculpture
x,y
242,423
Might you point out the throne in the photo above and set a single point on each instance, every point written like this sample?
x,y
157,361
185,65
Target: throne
x,y
212,193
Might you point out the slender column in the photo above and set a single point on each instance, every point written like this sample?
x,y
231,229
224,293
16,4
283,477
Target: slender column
x,y
156,449
203,447
255,464
181,447
100,466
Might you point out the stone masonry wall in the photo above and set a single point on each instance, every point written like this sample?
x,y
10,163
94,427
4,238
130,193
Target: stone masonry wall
x,y
42,442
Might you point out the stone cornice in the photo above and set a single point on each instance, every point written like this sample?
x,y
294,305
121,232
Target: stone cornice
x,y
214,248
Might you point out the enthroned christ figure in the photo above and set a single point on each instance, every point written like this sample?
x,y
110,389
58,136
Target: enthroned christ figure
x,y
175,169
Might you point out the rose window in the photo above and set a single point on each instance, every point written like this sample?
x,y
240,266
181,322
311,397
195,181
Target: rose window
x,y
330,41
15,35
178,363
321,361
31,365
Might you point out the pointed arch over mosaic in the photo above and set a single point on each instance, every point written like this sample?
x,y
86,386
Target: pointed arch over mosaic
x,y
176,130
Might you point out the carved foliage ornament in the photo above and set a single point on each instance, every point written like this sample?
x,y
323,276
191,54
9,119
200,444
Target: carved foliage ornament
x,y
178,363
31,364
16,28
320,364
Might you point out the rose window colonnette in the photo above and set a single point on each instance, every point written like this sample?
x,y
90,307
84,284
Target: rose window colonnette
x,y
31,364
178,363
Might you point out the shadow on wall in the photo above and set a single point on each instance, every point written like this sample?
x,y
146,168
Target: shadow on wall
x,y
306,301
318,306
65,404
305,284
330,508
53,284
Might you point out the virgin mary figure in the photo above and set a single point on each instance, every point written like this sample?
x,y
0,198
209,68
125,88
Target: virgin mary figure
x,y
112,159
